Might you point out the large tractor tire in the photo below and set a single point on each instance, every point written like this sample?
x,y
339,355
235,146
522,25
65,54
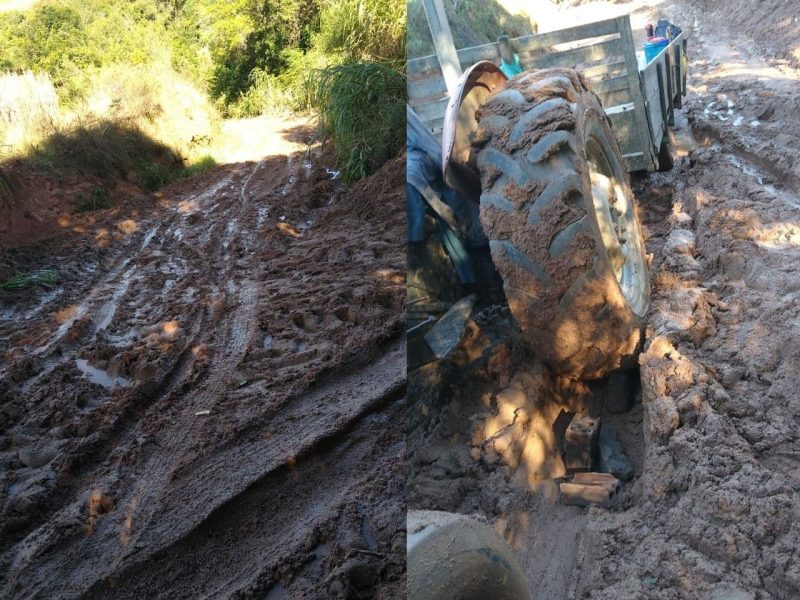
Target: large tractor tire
x,y
557,207
455,557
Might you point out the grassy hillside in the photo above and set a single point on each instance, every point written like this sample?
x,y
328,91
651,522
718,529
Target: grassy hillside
x,y
472,23
168,70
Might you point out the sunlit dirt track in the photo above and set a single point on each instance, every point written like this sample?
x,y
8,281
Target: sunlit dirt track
x,y
207,405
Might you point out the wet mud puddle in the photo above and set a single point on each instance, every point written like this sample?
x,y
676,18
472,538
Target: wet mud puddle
x,y
99,376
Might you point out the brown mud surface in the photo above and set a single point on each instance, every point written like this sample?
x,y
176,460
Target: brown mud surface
x,y
712,510
207,404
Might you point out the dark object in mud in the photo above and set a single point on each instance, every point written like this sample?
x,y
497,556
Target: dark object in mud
x,y
590,488
619,391
580,443
665,159
445,335
612,458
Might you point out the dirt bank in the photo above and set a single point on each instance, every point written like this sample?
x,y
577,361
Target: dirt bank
x,y
204,406
712,509
772,28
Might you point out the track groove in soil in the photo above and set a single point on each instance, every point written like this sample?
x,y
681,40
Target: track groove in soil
x,y
180,308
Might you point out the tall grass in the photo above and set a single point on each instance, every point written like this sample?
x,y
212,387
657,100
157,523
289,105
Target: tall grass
x,y
28,110
472,23
100,149
362,109
141,118
158,101
374,29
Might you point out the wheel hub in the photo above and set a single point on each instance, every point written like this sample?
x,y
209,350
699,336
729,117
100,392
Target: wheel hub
x,y
619,230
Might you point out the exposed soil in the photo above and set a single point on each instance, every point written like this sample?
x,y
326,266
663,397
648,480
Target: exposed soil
x,y
41,208
712,509
207,404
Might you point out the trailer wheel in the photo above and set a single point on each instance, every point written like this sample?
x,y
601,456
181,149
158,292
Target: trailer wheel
x,y
665,159
557,206
455,557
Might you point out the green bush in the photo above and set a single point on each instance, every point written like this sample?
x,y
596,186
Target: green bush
x,y
153,177
362,109
51,39
294,89
97,199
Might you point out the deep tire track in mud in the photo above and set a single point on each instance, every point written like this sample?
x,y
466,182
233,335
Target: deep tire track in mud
x,y
297,459
151,390
206,324
718,494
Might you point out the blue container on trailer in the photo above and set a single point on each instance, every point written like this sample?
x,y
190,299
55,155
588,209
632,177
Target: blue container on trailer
x,y
654,46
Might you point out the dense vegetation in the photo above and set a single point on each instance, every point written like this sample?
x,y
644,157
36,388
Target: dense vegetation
x,y
472,23
125,60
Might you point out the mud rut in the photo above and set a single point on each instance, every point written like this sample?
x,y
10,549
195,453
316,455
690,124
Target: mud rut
x,y
239,297
712,511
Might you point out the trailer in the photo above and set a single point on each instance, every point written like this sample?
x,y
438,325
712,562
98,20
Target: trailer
x,y
639,96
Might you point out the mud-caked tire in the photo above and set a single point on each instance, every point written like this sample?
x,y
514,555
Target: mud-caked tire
x,y
557,207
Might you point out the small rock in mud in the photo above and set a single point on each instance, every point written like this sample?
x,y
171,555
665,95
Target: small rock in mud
x,y
681,241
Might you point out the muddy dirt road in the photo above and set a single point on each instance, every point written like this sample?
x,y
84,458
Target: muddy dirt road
x,y
712,508
207,404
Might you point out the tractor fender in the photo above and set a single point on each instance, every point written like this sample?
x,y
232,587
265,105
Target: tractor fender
x,y
459,160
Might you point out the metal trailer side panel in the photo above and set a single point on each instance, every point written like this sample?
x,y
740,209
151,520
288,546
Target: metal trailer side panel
x,y
640,104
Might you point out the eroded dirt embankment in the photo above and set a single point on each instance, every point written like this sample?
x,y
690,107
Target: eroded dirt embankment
x,y
712,509
204,406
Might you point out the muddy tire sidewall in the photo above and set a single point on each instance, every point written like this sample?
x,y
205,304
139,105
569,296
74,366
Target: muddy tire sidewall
x,y
575,317
455,557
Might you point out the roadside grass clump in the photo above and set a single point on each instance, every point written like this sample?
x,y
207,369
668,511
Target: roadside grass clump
x,y
5,186
97,199
154,176
134,118
203,164
362,110
40,277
